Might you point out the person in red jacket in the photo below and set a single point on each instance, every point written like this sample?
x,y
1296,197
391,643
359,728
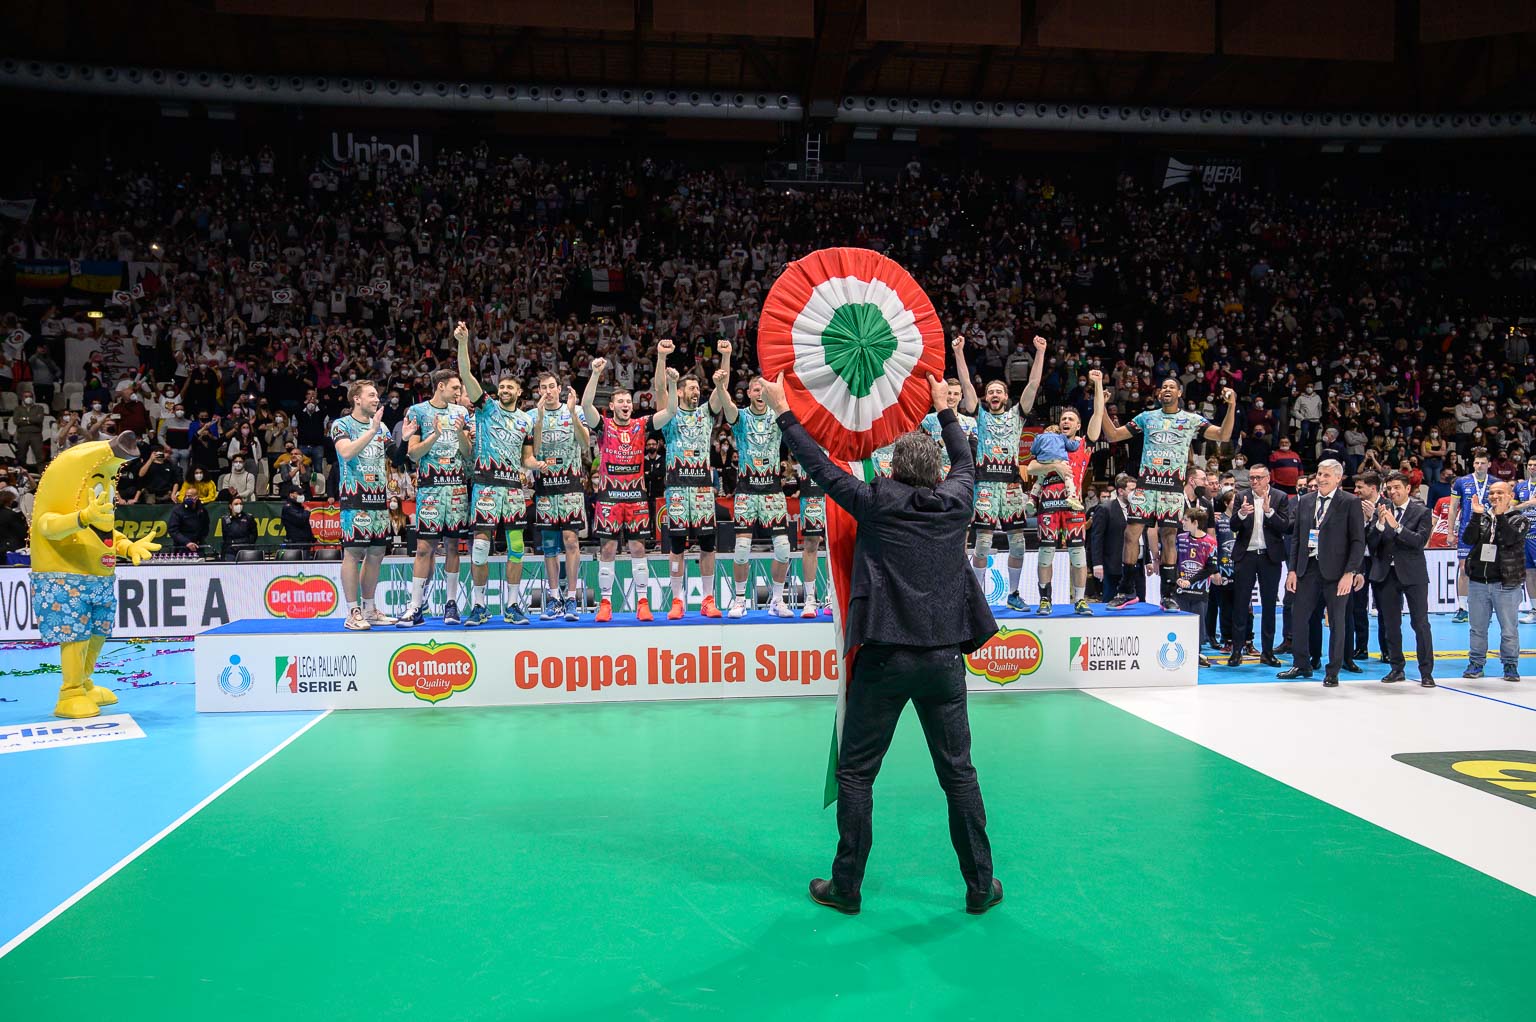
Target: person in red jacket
x,y
1285,467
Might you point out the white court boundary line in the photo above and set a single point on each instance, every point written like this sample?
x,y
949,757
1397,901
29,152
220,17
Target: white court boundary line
x,y
62,907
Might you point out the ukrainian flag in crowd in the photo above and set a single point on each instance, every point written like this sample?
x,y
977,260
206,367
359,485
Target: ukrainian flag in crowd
x,y
97,276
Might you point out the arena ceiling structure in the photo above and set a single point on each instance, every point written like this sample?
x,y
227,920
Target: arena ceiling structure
x,y
1437,66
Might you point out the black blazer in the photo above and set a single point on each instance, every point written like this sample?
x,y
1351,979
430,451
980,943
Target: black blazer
x,y
1340,540
1106,537
1277,526
1400,552
912,582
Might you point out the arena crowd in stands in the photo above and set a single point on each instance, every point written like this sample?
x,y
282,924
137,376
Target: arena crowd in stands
x,y
1374,327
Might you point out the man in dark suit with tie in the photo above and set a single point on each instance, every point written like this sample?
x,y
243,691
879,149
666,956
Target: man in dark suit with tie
x,y
914,610
1328,538
1106,539
1357,623
1261,520
1398,535
1304,486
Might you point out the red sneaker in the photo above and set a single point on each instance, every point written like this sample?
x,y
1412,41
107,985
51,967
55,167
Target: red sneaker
x,y
604,612
643,610
708,608
676,611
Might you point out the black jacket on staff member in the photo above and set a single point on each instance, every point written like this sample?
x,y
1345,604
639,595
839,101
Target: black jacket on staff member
x,y
1321,570
1259,527
1398,536
917,609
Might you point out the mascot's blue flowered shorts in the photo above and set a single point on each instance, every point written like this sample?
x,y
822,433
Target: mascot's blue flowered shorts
x,y
72,608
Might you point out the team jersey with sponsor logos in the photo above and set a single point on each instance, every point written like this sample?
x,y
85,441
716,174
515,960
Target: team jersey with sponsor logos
x,y
1526,490
997,444
881,459
930,425
557,443
621,459
364,478
1195,565
758,440
687,435
808,487
1468,489
443,464
499,439
1165,444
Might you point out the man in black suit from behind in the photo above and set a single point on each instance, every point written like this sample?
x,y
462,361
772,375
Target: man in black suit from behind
x,y
1398,535
1106,539
1261,519
1328,538
915,609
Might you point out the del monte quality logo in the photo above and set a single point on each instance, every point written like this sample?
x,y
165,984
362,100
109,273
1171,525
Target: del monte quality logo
x,y
432,671
301,596
1008,656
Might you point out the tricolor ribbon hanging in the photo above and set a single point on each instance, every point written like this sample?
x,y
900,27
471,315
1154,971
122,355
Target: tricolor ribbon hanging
x,y
856,340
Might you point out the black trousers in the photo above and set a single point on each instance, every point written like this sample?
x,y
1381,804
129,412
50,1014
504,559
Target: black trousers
x,y
1218,615
884,679
1390,594
1357,623
1112,583
1313,593
1266,573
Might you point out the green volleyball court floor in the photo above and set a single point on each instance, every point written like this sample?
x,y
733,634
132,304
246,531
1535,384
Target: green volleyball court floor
x,y
650,862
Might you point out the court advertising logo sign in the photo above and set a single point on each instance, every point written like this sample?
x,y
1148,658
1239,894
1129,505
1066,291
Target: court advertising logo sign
x,y
1170,655
1105,653
432,671
1507,773
1011,654
299,675
55,733
301,596
235,680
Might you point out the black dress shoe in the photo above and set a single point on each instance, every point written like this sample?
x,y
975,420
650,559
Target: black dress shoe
x,y
1351,666
1331,681
1395,674
1360,654
823,893
976,906
1427,682
1294,672
1234,661
1270,660
1283,648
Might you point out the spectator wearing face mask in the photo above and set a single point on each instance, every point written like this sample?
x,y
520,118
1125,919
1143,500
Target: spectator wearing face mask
x,y
1285,467
1306,413
244,444
156,476
197,484
311,422
296,521
238,481
293,456
93,421
293,479
188,527
238,529
28,423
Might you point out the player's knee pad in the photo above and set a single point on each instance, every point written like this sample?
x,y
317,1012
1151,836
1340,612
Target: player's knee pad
x,y
743,550
515,543
984,547
1047,556
480,551
781,549
1078,555
707,544
550,543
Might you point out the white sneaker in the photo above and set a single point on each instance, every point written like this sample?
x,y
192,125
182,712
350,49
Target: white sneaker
x,y
810,610
1528,618
778,608
378,617
738,607
356,622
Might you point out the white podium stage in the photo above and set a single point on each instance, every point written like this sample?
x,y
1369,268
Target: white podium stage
x,y
314,665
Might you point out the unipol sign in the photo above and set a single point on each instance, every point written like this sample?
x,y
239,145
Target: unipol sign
x,y
389,149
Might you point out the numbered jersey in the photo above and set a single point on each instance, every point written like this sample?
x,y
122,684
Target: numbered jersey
x,y
1526,490
930,425
559,444
687,435
364,477
621,460
499,439
443,464
997,444
1165,444
757,452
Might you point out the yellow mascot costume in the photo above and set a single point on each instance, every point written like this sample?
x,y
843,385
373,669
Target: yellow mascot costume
x,y
75,547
